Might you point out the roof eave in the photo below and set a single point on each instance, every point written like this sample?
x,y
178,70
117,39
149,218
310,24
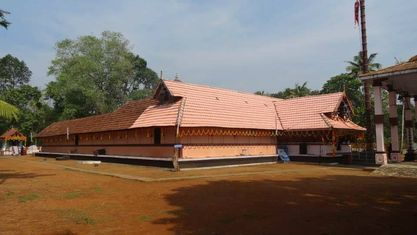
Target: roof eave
x,y
385,75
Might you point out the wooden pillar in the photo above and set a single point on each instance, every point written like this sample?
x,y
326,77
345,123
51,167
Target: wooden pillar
x,y
393,119
408,125
415,114
380,154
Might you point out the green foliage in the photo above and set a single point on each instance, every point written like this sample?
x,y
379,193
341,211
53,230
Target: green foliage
x,y
28,197
354,66
73,195
297,91
352,86
97,75
76,216
145,218
3,22
344,82
8,111
13,73
34,114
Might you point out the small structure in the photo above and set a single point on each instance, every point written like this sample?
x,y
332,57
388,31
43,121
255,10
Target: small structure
x,y
195,123
13,140
399,80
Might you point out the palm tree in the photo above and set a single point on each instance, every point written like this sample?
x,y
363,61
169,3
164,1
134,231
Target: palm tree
x,y
355,66
300,91
3,22
8,111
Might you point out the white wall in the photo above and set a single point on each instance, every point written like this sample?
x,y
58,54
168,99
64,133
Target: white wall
x,y
316,149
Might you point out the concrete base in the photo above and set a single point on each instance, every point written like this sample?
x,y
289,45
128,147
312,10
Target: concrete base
x,y
381,159
397,157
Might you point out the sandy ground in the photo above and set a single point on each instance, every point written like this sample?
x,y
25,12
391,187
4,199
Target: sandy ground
x,y
49,197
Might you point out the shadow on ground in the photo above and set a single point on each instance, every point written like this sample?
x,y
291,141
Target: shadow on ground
x,y
328,205
9,174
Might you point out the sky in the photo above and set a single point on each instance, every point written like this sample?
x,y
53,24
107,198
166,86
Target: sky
x,y
243,45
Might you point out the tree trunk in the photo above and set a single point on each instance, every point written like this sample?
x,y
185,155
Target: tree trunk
x,y
367,85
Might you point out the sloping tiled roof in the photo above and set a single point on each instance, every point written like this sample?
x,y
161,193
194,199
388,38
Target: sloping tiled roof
x,y
338,123
204,106
410,65
122,118
11,132
307,112
214,107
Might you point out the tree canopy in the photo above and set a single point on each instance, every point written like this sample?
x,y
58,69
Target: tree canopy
x,y
297,91
21,105
354,67
13,72
96,75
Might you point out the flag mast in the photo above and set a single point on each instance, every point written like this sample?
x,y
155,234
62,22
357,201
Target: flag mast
x,y
367,85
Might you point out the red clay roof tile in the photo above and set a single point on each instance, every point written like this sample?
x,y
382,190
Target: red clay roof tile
x,y
214,107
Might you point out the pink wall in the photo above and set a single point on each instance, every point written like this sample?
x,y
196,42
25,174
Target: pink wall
x,y
141,151
139,142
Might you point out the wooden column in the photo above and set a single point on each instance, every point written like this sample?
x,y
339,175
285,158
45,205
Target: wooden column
x,y
380,155
393,119
408,125
415,114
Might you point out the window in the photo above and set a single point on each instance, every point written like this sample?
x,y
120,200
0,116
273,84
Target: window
x,y
157,136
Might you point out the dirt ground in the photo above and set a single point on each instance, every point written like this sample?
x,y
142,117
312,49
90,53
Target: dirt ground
x,y
52,197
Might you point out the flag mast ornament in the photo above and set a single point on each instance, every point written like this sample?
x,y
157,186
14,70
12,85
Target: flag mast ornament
x,y
356,7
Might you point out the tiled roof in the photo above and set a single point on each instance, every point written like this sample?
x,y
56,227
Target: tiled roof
x,y
204,106
402,67
122,118
214,107
338,123
10,132
307,112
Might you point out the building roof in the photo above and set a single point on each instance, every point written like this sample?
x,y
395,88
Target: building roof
x,y
13,134
406,67
204,106
313,112
215,107
122,118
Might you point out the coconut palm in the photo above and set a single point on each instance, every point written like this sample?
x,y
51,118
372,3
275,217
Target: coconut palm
x,y
8,111
3,22
355,66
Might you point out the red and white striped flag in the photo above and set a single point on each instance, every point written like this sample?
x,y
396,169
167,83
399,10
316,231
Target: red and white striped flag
x,y
356,7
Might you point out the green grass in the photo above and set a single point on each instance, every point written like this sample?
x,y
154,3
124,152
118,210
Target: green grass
x,y
6,195
76,216
145,218
29,197
73,195
97,189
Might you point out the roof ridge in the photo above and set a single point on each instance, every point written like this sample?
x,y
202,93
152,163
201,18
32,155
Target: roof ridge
x,y
223,89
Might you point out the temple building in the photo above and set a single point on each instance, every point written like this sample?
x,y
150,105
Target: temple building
x,y
401,83
197,122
